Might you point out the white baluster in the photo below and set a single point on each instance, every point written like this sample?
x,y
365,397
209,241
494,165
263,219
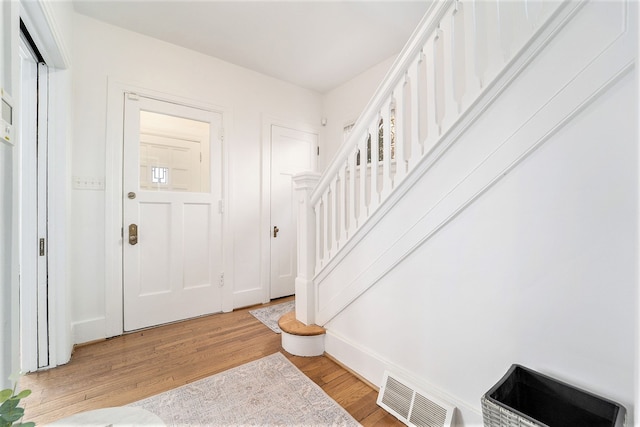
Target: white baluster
x,y
354,202
335,214
423,101
473,81
319,253
433,133
387,175
438,72
374,199
451,107
363,213
459,56
495,60
342,206
534,12
414,129
326,208
401,164
515,13
505,29
481,45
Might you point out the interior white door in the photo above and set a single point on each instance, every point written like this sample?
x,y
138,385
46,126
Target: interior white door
x,y
172,224
34,306
292,151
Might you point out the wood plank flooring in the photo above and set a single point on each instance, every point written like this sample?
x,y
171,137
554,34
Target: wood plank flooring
x,y
131,367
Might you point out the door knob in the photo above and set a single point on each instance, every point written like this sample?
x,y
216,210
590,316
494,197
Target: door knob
x,y
133,234
275,231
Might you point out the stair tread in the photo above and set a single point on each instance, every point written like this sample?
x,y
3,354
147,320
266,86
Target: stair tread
x,y
289,324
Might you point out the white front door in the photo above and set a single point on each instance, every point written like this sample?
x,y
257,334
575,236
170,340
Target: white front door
x,y
172,225
292,152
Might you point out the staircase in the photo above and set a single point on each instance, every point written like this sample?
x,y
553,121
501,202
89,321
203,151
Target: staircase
x,y
450,69
480,213
416,249
454,65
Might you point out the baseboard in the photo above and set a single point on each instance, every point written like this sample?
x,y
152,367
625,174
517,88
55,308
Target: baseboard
x,y
248,298
88,330
352,372
370,367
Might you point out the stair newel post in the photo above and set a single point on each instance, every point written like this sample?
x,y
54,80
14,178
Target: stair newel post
x,y
304,185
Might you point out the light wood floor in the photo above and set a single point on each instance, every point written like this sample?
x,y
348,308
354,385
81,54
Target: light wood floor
x,y
131,367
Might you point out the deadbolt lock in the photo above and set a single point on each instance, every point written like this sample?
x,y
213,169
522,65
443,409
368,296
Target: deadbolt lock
x,y
133,234
275,231
131,195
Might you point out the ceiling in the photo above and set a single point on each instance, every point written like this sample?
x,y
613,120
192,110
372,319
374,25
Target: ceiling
x,y
316,44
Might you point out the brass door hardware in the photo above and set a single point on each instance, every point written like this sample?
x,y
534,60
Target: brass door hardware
x,y
133,234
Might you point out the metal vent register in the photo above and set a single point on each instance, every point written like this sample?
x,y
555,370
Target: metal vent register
x,y
411,406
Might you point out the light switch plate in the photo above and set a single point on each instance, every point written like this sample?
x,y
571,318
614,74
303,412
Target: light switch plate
x,y
88,183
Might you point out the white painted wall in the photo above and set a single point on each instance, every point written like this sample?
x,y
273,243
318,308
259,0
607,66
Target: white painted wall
x,y
540,268
343,105
103,52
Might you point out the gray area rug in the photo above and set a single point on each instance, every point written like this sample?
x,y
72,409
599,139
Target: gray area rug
x,y
270,315
267,392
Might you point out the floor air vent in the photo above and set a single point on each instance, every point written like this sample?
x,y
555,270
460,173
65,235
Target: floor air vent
x,y
411,406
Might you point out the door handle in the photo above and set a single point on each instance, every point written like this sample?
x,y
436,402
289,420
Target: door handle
x,y
133,234
275,231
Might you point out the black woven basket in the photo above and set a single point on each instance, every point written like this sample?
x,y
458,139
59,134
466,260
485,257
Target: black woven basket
x,y
527,398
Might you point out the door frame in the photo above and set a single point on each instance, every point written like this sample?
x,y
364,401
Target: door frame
x,y
41,25
114,307
265,202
